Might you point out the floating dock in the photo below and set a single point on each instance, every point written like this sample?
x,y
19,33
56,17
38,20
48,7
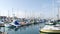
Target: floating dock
x,y
1,25
3,32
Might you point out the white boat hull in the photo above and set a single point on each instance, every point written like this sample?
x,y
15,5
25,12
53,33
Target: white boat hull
x,y
11,24
50,29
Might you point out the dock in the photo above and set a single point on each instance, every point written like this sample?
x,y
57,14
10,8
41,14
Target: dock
x,y
1,25
3,32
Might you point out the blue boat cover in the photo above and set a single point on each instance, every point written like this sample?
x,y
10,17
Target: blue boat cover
x,y
16,23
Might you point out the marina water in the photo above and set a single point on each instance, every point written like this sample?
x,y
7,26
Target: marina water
x,y
31,29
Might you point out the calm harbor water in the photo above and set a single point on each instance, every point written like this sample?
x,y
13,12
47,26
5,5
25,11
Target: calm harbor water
x,y
31,29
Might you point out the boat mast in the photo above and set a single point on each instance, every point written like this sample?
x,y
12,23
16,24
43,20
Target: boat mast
x,y
58,13
8,13
25,13
13,15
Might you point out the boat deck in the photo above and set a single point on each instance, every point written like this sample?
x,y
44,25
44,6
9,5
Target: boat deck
x,y
50,29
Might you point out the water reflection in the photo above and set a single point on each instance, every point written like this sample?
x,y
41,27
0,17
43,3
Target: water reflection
x,y
31,29
2,29
49,33
22,28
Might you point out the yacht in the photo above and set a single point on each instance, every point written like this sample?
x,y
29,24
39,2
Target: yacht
x,y
51,28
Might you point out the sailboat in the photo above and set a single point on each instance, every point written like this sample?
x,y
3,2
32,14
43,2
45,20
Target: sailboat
x,y
15,22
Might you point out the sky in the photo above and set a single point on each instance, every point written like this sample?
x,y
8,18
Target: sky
x,y
29,8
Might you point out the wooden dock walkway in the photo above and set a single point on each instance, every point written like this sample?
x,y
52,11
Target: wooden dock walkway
x,y
3,32
1,25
